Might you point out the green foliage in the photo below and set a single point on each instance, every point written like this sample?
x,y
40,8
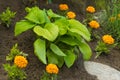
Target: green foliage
x,y
110,18
78,28
14,73
100,4
47,76
47,31
85,49
7,16
63,25
56,50
70,58
103,48
13,52
22,26
40,50
57,36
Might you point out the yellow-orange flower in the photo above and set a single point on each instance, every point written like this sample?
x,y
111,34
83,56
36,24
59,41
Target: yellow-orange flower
x,y
90,9
94,24
20,61
52,69
63,7
71,15
108,39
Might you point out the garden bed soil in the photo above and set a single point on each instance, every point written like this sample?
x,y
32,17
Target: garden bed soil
x,y
35,68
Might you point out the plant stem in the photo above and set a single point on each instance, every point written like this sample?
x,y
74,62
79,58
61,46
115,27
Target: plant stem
x,y
98,54
52,78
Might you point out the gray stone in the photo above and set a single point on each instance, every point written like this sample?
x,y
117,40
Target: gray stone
x,y
103,72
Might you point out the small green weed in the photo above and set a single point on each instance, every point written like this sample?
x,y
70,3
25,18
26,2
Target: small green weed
x,y
6,17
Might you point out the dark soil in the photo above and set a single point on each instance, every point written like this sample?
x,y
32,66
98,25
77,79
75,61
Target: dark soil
x,y
25,42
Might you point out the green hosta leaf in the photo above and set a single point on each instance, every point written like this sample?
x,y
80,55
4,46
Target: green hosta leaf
x,y
47,20
23,26
62,25
76,27
40,50
56,50
85,49
60,61
36,15
69,58
52,14
68,40
53,58
49,32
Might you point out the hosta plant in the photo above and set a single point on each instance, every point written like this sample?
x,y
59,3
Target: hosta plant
x,y
57,36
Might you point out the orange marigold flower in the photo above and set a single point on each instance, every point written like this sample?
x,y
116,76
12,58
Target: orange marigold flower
x,y
71,15
108,39
20,61
63,7
52,69
90,9
94,24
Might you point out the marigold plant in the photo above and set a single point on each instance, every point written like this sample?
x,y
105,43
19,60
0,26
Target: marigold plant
x,y
94,24
105,45
71,15
63,7
20,61
108,39
15,64
52,69
90,9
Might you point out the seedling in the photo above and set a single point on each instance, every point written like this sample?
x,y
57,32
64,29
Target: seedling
x,y
6,17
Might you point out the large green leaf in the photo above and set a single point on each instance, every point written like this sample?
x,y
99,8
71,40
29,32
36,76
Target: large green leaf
x,y
60,61
40,50
77,27
85,50
55,59
69,58
52,58
52,14
36,15
56,50
68,40
62,25
47,19
49,32
23,26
